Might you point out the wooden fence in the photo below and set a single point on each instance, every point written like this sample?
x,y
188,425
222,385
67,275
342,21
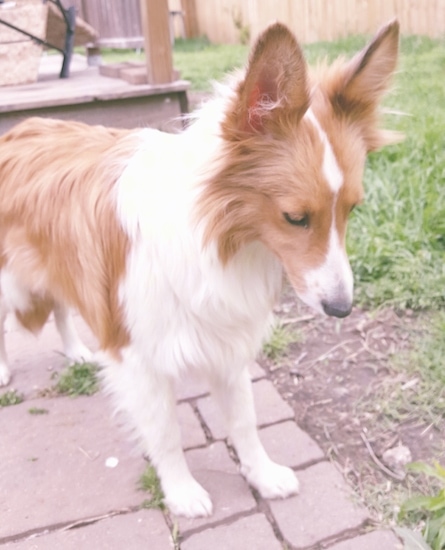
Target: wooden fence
x,y
231,21
118,22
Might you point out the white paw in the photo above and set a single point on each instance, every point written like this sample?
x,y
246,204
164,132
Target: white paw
x,y
189,499
79,354
273,480
5,375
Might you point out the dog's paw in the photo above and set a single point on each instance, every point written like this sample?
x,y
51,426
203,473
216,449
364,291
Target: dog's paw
x,y
79,354
273,481
189,499
5,375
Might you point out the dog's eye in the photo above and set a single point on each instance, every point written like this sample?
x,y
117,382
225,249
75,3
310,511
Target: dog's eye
x,y
300,221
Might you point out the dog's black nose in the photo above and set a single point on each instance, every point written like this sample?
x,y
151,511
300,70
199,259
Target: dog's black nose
x,y
337,309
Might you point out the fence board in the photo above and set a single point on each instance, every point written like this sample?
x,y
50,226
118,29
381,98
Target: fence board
x,y
118,22
314,20
190,18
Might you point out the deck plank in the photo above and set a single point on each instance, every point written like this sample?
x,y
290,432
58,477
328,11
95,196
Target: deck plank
x,y
84,90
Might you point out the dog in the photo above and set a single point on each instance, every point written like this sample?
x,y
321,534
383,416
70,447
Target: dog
x,y
172,246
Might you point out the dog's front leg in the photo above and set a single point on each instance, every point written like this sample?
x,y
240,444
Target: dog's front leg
x,y
235,397
73,347
148,397
5,373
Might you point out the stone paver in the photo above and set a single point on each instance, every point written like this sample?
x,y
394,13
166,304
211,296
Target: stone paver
x,y
270,408
378,540
192,434
287,444
52,466
323,508
53,473
191,387
219,475
256,371
133,531
253,533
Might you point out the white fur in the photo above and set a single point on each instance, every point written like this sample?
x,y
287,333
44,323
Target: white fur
x,y
74,348
185,311
331,169
14,295
5,373
175,290
332,281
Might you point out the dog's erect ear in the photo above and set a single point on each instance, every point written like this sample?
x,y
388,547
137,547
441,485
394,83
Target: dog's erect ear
x,y
369,72
365,79
275,84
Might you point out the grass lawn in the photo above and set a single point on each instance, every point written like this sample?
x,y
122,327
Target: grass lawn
x,y
197,60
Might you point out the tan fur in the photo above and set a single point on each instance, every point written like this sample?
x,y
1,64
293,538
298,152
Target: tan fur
x,y
37,313
58,230
272,158
281,87
355,88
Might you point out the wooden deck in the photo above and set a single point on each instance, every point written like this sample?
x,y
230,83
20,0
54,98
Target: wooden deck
x,y
90,97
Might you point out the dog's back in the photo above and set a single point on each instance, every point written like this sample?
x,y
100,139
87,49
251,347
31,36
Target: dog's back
x,y
56,225
59,247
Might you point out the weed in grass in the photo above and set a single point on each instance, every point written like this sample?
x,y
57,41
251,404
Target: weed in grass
x,y
191,45
78,379
209,63
150,482
175,536
412,540
282,336
385,499
110,55
37,411
330,50
429,509
414,388
410,394
11,397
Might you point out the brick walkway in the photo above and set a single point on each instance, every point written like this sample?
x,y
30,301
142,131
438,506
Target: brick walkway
x,y
57,492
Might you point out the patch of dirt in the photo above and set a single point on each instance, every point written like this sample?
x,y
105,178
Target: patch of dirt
x,y
331,378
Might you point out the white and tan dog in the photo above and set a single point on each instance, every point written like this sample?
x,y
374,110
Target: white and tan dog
x,y
171,247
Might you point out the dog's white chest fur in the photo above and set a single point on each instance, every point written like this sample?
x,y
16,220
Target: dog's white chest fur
x,y
197,312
